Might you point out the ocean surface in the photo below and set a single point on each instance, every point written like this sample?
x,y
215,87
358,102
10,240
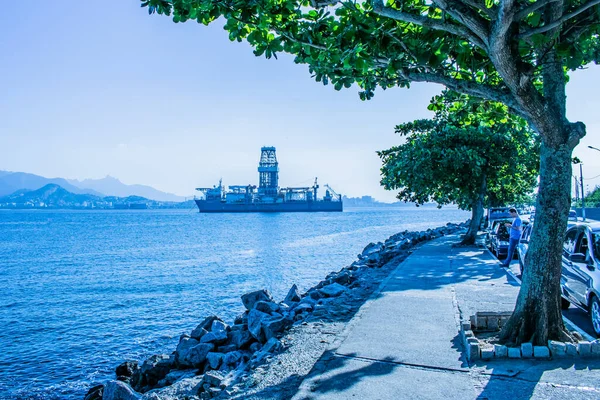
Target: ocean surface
x,y
82,291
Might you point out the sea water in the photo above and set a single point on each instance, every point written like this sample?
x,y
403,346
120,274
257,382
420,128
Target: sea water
x,y
82,291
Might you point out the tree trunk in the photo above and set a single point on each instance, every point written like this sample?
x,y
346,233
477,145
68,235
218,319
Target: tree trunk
x,y
537,317
476,215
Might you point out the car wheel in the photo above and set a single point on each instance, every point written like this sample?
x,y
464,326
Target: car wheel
x,y
564,303
595,314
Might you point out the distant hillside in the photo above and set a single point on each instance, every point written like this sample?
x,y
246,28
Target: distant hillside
x,y
54,196
10,182
51,195
113,187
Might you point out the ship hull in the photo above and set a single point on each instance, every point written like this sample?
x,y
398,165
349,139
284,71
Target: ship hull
x,y
313,206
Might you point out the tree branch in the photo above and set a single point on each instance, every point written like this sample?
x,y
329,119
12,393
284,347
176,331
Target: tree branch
x,y
480,6
379,8
467,87
464,15
559,21
525,11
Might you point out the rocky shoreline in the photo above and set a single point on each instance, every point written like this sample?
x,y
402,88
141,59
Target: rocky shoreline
x,y
269,348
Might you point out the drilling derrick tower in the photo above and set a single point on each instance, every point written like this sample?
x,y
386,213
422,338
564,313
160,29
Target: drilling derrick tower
x,y
268,172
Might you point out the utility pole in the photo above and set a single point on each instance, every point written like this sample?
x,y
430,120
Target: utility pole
x,y
582,192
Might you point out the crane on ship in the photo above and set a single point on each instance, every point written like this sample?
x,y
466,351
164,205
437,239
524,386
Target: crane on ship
x,y
329,192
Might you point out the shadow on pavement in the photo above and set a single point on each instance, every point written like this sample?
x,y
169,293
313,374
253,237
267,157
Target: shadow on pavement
x,y
339,375
526,379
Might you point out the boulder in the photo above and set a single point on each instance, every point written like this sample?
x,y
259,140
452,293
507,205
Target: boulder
x,y
227,348
255,319
125,370
214,359
197,354
293,296
218,326
183,348
241,339
273,345
232,357
204,327
249,299
156,368
95,393
271,327
213,378
333,290
117,390
267,307
217,337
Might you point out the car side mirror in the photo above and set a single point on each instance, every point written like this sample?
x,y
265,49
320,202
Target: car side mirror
x,y
578,257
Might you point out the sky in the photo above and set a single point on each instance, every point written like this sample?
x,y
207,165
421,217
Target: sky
x,y
89,89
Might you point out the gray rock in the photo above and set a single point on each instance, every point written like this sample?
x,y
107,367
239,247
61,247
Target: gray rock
x,y
117,390
95,393
227,348
303,307
157,367
293,296
241,339
232,357
204,327
214,359
271,327
218,326
255,319
178,374
183,348
266,306
254,347
197,354
249,299
213,378
217,337
239,327
272,346
333,290
126,369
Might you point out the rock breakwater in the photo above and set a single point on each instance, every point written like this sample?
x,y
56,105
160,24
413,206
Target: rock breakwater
x,y
268,349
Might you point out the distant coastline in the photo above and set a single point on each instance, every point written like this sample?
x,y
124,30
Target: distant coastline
x,y
52,196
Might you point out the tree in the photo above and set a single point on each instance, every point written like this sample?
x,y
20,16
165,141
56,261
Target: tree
x,y
463,156
516,52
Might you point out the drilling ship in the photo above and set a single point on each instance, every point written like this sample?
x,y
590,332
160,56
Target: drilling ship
x,y
268,197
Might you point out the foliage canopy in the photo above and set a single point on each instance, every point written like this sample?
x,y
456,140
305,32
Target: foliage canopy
x,y
470,148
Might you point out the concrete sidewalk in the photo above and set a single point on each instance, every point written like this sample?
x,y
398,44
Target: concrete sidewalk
x,y
404,343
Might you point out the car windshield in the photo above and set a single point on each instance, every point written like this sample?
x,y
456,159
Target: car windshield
x,y
596,239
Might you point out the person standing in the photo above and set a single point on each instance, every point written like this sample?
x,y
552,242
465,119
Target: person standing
x,y
515,228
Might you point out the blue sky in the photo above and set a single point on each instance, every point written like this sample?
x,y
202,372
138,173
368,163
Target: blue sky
x,y
89,89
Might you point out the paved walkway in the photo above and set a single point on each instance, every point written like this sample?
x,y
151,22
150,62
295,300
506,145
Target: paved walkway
x,y
404,342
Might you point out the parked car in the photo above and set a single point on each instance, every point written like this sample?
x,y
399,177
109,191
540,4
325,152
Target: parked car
x,y
495,214
491,231
523,245
573,215
580,277
499,241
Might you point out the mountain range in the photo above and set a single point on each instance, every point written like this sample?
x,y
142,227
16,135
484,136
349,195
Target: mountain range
x,y
11,182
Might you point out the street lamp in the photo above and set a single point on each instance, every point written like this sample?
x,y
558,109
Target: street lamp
x,y
581,182
592,147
